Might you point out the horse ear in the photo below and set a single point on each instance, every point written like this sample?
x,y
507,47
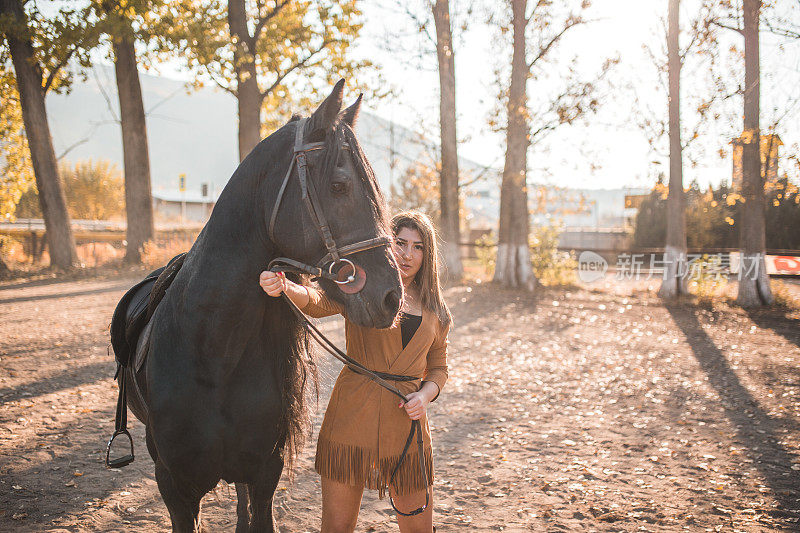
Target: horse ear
x,y
324,117
350,115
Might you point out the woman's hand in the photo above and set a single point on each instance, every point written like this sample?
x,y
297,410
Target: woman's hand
x,y
273,283
417,405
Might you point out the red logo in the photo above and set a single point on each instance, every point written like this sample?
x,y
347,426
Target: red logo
x,y
787,263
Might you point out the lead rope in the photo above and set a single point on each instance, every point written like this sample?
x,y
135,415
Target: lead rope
x,y
381,379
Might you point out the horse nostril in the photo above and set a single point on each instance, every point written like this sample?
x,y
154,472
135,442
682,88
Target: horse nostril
x,y
391,301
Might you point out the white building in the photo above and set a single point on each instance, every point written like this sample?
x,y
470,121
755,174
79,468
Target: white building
x,y
182,207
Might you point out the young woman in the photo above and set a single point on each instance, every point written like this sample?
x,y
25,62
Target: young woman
x,y
365,427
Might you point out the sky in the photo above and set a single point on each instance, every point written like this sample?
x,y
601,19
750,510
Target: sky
x,y
607,150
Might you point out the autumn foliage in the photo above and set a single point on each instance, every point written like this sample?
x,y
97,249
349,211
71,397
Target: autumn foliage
x,y
713,216
95,191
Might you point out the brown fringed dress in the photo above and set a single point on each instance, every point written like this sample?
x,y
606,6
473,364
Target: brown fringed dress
x,y
364,431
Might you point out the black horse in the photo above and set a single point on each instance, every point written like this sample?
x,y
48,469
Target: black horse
x,y
221,390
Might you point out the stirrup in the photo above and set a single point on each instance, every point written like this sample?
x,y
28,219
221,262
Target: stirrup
x,y
125,460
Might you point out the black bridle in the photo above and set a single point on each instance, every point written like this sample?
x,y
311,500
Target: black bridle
x,y
309,196
334,256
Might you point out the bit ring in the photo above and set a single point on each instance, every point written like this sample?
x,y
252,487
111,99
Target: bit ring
x,y
351,278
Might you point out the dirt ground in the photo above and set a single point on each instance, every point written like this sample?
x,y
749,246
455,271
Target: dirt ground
x,y
594,409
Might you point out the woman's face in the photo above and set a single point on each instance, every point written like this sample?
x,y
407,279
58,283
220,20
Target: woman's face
x,y
408,251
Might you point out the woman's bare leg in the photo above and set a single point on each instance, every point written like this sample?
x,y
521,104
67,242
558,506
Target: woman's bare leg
x,y
421,523
340,506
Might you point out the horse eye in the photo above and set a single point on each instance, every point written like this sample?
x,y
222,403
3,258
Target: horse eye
x,y
338,187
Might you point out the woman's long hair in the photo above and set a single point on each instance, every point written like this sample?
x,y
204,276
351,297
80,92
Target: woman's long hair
x,y
427,278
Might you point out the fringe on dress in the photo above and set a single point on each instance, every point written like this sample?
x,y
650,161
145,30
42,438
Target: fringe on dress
x,y
356,466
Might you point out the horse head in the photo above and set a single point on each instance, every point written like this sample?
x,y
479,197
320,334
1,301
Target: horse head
x,y
340,224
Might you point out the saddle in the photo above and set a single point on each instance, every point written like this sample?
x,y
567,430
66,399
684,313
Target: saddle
x,y
130,341
137,306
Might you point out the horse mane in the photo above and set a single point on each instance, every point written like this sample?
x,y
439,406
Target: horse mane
x,y
342,133
295,372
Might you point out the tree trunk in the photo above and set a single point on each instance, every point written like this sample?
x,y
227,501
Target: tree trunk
x,y
138,199
248,95
675,267
5,272
754,286
513,265
60,240
448,183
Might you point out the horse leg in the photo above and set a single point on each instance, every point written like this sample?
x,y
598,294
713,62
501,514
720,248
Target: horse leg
x,y
151,445
184,510
261,494
242,509
165,484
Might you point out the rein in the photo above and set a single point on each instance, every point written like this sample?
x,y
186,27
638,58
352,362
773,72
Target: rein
x,y
380,378
353,282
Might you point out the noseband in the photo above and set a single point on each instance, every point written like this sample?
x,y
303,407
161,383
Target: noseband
x,y
348,282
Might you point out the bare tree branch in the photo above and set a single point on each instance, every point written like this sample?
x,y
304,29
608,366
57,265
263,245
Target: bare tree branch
x,y
482,174
74,145
219,83
539,4
165,99
732,28
265,19
294,67
54,72
781,32
103,92
550,126
695,38
571,22
422,25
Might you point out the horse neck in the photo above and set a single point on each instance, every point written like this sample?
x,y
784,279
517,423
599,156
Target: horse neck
x,y
234,248
222,294
230,250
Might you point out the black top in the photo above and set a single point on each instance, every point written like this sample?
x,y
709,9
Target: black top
x,y
408,326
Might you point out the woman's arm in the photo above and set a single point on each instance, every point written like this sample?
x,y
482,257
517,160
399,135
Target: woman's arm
x,y
436,370
275,283
434,379
418,401
312,302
